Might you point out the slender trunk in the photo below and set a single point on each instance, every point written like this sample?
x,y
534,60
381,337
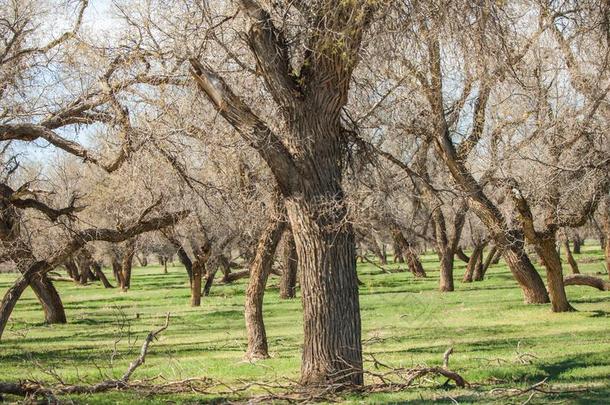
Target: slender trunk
x,y
97,268
577,243
288,280
552,263
488,259
72,270
446,271
569,257
398,257
459,252
471,268
116,270
225,266
198,268
186,262
332,349
126,265
377,251
259,273
406,249
605,239
49,298
209,280
9,301
497,257
415,266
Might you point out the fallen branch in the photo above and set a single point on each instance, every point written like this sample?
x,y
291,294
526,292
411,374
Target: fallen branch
x,y
583,279
28,388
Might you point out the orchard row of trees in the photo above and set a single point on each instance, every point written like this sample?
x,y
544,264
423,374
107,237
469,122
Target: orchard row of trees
x,y
231,133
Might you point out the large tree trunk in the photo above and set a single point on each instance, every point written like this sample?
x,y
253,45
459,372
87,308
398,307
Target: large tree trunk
x,y
569,257
332,350
259,273
551,261
288,281
49,298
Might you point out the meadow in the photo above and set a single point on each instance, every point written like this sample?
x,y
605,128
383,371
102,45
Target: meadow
x,y
500,345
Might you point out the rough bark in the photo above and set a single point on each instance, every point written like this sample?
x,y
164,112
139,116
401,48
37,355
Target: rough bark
x,y
259,273
288,281
332,350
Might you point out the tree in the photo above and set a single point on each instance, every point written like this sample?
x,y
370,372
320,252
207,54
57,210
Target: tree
x,y
306,161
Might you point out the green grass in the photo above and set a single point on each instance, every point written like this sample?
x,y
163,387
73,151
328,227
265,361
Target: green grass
x,y
405,321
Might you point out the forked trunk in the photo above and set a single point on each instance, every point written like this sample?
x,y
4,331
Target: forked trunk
x,y
569,257
526,275
288,280
488,260
406,250
552,263
259,273
332,349
50,300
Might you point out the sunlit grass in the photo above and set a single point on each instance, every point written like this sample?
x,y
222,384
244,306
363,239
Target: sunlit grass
x,y
405,322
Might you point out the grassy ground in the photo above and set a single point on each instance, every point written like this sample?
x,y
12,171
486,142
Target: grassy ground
x,y
405,322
